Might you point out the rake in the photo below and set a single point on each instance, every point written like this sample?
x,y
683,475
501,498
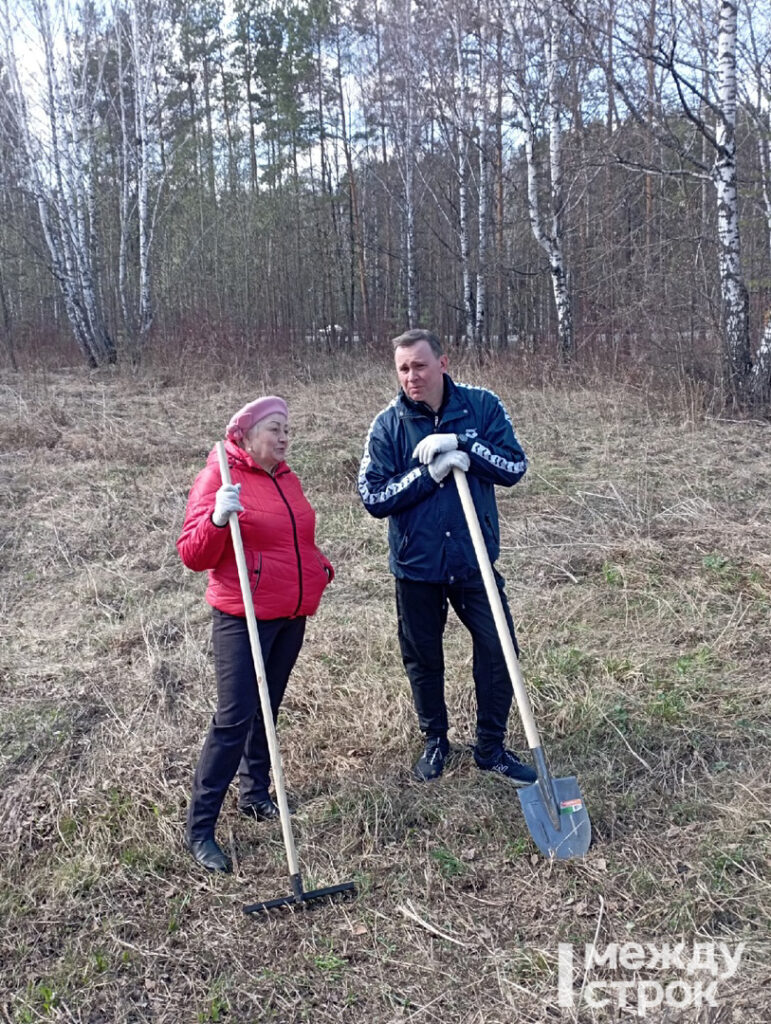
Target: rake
x,y
299,897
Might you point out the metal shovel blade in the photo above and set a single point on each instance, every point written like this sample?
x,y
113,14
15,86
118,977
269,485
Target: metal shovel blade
x,y
574,834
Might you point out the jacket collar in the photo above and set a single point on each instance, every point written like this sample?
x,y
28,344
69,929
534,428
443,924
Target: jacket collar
x,y
452,406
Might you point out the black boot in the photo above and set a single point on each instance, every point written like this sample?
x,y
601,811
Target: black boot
x,y
209,855
261,810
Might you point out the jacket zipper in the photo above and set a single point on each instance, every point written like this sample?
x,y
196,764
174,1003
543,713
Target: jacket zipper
x,y
296,548
256,573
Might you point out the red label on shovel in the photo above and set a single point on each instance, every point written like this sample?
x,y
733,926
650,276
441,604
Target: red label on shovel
x,y
570,806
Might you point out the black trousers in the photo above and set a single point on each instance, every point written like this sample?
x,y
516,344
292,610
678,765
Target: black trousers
x,y
422,612
236,741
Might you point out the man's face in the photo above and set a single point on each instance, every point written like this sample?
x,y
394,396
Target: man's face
x,y
421,373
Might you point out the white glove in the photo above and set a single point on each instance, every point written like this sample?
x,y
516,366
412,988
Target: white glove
x,y
442,464
226,500
434,444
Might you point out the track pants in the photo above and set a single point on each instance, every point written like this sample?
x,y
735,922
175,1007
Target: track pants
x,y
422,612
236,741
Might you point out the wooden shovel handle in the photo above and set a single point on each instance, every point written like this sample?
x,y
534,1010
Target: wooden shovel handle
x,y
496,606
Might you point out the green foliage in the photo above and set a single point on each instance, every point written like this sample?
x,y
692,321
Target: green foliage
x,y
68,827
517,848
669,705
331,964
613,574
178,906
716,563
619,715
450,866
695,664
726,865
529,965
216,1010
44,998
100,961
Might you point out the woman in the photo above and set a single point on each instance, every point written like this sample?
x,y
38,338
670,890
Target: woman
x,y
288,574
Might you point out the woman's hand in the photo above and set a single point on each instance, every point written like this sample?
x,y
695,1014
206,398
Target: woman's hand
x,y
226,500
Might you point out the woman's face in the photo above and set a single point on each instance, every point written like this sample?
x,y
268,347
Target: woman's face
x,y
267,441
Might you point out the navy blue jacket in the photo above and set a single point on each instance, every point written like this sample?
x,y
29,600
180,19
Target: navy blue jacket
x,y
427,533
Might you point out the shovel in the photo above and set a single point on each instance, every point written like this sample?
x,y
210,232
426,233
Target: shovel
x,y
298,896
555,811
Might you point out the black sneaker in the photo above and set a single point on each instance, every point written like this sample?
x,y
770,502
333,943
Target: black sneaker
x,y
431,762
503,762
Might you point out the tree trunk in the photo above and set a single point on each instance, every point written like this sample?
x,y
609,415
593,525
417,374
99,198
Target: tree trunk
x,y
357,240
409,183
550,239
734,306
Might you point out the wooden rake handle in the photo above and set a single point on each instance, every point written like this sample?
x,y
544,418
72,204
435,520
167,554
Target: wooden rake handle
x,y
259,671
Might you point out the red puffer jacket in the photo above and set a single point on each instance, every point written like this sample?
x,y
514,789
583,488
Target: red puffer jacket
x,y
288,573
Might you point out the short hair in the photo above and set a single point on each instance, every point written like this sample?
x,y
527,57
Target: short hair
x,y
415,335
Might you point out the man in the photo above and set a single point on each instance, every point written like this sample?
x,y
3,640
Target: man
x,y
433,426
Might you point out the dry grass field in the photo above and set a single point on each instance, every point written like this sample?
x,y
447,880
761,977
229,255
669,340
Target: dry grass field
x,y
638,557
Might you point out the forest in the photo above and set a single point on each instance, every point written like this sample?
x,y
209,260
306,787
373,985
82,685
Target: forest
x,y
575,181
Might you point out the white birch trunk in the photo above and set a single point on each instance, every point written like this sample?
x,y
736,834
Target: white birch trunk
x,y
482,190
462,136
59,166
761,369
465,245
764,152
143,46
556,254
550,238
124,198
409,225
734,298
409,180
482,220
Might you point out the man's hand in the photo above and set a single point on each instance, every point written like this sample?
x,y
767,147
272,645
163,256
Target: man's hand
x,y
226,500
434,445
446,461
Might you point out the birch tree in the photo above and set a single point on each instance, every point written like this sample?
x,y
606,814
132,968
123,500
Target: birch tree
x,y
755,58
708,114
734,311
406,133
53,117
138,40
356,235
398,91
537,83
460,92
450,70
484,33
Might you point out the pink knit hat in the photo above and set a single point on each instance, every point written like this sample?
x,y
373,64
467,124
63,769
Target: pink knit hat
x,y
252,413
